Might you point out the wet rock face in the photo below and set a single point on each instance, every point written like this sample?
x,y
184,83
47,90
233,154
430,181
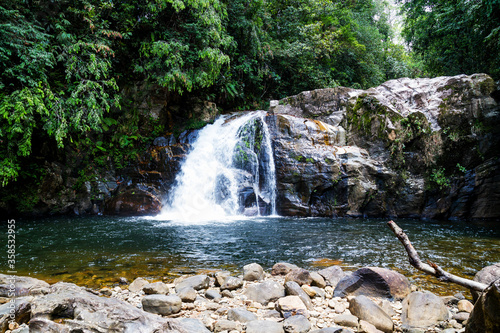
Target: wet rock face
x,y
133,202
393,150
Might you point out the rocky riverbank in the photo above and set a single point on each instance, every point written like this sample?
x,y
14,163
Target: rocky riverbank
x,y
285,300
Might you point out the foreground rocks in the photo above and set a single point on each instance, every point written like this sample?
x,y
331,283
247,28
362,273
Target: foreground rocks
x,y
263,303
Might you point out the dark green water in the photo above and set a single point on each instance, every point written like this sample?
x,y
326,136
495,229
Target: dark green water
x,y
95,251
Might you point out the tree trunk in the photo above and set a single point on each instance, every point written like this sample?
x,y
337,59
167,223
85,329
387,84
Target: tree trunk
x,y
431,268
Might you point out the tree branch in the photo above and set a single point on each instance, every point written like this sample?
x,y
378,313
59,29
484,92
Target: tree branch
x,y
431,268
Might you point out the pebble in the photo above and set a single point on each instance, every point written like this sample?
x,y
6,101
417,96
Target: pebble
x,y
325,312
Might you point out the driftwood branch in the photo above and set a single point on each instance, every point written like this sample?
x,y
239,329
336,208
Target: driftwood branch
x,y
431,268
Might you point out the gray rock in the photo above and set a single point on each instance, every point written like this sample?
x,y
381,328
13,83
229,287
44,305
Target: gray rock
x,y
220,277
187,294
332,275
465,306
272,314
227,293
283,268
226,325
291,306
22,329
265,292
367,327
155,288
196,282
423,309
193,325
22,311
161,304
387,307
240,314
320,292
189,136
231,283
485,317
296,324
293,289
363,125
85,311
137,285
164,141
449,330
450,300
461,316
375,282
301,276
486,275
317,280
24,285
346,320
367,310
264,326
253,272
213,294
332,330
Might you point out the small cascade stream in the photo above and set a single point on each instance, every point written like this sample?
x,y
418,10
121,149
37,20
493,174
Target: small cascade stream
x,y
228,172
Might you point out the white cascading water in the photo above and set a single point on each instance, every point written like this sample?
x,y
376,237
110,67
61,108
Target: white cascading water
x,y
229,157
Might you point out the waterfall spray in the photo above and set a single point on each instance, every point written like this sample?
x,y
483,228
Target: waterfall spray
x,y
229,171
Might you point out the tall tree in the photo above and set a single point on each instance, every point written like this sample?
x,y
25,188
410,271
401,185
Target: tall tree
x,y
454,37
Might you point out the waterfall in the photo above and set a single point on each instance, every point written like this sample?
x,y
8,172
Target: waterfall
x,y
229,171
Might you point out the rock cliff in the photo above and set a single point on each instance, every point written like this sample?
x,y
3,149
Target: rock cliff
x,y
421,148
408,148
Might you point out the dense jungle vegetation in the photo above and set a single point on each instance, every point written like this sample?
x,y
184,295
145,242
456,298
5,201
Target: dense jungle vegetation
x,y
65,64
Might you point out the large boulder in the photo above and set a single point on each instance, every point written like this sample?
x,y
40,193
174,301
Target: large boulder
x,y
423,309
486,275
340,151
485,316
374,281
23,285
86,312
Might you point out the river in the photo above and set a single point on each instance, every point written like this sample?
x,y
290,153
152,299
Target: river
x,y
97,251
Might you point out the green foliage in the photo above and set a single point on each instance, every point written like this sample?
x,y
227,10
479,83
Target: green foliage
x,y
454,37
439,179
62,64
184,50
52,84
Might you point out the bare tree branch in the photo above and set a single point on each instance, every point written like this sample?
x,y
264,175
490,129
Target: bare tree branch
x,y
431,268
